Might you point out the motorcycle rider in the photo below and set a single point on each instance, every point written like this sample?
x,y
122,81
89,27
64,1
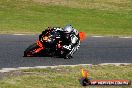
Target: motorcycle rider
x,y
70,39
71,35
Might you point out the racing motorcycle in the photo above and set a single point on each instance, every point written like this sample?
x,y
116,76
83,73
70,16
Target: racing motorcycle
x,y
49,44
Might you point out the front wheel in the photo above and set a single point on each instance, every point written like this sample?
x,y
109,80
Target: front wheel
x,y
65,55
30,51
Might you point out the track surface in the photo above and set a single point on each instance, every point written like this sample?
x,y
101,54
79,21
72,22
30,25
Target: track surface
x,y
92,51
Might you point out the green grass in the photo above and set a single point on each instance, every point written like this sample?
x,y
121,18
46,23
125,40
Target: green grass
x,y
100,17
66,77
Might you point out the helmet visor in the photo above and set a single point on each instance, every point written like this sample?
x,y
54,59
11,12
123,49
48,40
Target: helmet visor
x,y
68,29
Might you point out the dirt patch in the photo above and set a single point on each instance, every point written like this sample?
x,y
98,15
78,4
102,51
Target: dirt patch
x,y
67,3
91,4
52,1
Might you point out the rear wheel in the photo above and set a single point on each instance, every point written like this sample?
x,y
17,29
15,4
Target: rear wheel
x,y
65,54
68,56
30,51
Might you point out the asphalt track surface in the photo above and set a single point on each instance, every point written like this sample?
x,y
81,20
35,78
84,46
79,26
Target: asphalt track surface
x,y
92,51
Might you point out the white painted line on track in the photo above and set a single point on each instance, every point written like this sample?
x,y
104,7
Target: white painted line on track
x,y
116,64
24,34
24,67
19,34
98,36
3,70
7,69
125,37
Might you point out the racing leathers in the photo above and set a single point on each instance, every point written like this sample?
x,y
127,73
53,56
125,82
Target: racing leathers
x,y
73,45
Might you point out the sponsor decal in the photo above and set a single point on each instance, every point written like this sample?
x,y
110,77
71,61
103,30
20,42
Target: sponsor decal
x,y
85,80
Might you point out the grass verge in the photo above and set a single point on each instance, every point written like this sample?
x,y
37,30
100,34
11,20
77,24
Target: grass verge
x,y
92,16
65,77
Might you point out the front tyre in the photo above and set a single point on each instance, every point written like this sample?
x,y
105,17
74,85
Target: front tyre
x,y
30,51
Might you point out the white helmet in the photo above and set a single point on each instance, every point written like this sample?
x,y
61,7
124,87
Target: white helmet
x,y
68,29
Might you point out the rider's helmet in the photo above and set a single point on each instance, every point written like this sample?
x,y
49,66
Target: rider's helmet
x,y
68,29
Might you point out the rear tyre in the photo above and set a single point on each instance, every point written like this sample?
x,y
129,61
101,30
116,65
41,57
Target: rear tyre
x,y
30,51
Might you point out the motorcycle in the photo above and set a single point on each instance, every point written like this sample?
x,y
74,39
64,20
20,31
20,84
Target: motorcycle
x,y
49,44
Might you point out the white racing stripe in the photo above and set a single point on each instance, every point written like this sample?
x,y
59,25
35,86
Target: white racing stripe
x,y
3,70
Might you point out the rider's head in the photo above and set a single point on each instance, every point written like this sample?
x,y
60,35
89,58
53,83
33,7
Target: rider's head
x,y
68,29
